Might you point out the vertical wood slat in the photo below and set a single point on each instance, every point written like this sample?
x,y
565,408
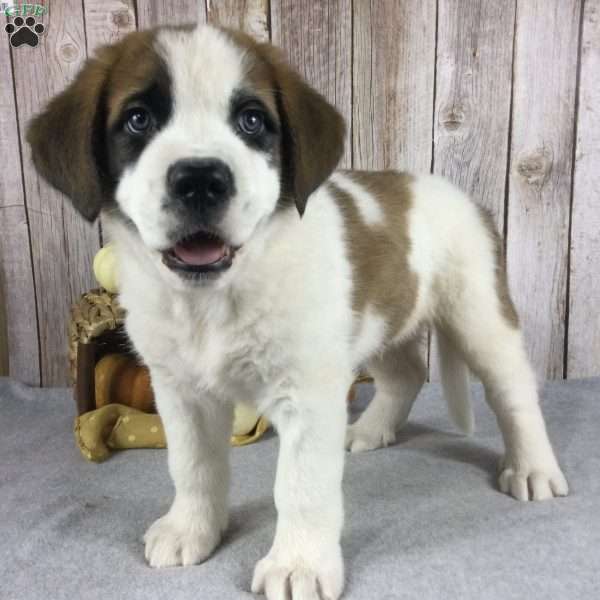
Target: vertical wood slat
x,y
3,329
394,57
393,87
472,108
107,21
473,89
316,38
545,66
19,343
584,317
63,245
151,13
250,16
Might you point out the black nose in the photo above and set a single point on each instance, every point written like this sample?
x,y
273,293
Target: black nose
x,y
200,180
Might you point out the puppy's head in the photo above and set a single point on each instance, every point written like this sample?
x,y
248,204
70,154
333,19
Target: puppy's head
x,y
193,137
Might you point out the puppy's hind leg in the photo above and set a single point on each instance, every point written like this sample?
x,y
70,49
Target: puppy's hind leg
x,y
399,374
482,325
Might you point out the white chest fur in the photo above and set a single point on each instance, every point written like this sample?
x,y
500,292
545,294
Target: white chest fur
x,y
282,311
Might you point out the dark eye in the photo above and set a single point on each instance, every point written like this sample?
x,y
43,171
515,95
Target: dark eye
x,y
139,121
251,121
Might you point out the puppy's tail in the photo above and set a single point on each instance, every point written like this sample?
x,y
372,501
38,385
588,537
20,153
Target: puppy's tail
x,y
455,383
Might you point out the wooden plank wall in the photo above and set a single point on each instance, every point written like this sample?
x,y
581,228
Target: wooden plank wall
x,y
541,169
500,97
583,348
19,337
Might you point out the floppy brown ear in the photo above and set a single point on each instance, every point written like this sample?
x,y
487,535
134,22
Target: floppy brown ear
x,y
67,138
313,132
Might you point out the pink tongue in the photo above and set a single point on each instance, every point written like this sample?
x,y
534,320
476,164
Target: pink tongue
x,y
201,252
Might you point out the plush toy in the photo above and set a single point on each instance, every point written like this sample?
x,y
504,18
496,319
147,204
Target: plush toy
x,y
105,268
118,427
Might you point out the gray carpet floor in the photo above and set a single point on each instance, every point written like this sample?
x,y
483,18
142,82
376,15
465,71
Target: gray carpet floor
x,y
423,518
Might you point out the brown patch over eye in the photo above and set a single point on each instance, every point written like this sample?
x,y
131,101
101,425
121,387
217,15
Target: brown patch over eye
x,y
138,72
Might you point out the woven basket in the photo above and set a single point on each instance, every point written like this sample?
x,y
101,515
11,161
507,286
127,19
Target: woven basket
x,y
95,329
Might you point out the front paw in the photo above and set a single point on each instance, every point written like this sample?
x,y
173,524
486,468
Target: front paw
x,y
293,575
171,542
532,482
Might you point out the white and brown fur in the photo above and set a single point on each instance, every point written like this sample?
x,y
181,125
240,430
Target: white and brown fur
x,y
334,270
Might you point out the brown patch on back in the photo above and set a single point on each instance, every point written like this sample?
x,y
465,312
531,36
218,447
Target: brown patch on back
x,y
379,253
506,304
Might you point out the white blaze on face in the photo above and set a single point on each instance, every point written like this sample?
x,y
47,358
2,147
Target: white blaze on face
x,y
206,70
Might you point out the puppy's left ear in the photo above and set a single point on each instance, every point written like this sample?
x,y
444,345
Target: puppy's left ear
x,y
313,132
67,138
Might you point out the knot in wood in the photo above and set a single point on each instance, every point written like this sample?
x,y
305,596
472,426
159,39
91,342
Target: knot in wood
x,y
452,118
121,18
69,52
535,168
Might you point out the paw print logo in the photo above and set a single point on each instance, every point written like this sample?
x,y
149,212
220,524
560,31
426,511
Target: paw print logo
x,y
24,31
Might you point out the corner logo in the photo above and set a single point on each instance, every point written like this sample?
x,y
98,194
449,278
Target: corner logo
x,y
25,28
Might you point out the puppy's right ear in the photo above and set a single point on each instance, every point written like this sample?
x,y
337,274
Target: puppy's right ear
x,y
67,138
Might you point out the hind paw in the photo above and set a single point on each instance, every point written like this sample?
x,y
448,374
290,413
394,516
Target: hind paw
x,y
360,438
539,482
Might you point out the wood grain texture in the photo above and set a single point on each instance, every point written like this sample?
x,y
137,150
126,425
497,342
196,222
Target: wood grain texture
x,y
250,16
107,21
473,88
3,330
583,357
393,87
394,61
545,66
63,245
151,13
472,108
316,38
19,345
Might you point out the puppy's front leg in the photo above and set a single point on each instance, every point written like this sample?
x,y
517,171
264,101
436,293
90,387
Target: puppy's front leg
x,y
198,432
306,555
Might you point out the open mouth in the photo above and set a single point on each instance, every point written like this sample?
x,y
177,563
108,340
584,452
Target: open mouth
x,y
201,252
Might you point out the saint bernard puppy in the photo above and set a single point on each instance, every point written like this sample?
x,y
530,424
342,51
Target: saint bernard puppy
x,y
252,269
